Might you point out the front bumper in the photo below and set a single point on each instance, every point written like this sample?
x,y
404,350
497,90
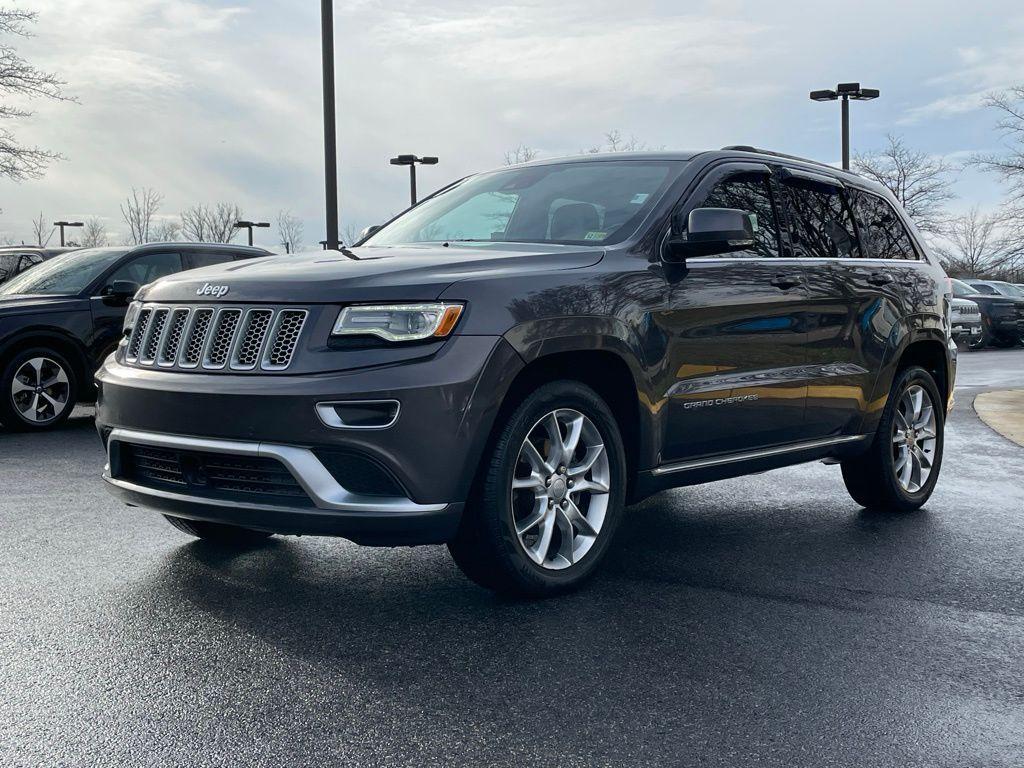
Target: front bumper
x,y
966,329
448,405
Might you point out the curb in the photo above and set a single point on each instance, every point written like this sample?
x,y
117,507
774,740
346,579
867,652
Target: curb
x,y
1003,411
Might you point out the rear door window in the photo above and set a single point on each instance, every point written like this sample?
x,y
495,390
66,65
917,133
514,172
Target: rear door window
x,y
749,192
882,232
145,269
820,221
208,258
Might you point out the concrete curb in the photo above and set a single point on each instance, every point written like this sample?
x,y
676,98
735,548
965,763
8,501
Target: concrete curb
x,y
1004,412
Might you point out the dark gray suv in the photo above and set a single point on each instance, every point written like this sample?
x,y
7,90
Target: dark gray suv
x,y
509,364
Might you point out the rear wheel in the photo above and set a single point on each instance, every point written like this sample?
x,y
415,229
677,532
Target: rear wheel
x,y
38,390
1004,341
217,532
550,496
899,471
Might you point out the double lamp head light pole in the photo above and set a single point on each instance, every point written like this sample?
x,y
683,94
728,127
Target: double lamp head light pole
x,y
846,92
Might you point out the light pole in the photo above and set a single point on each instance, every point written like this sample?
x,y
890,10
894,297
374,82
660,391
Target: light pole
x,y
63,224
846,91
249,225
330,132
411,161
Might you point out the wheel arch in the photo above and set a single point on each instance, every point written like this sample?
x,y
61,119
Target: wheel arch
x,y
602,361
56,340
927,348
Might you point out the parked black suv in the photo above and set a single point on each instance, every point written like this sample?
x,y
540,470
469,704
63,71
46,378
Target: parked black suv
x,y
61,318
15,259
1002,315
507,365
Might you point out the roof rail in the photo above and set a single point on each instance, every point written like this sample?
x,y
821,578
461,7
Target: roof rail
x,y
748,148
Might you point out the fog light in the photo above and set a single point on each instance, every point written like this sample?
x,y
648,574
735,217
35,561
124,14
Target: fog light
x,y
358,414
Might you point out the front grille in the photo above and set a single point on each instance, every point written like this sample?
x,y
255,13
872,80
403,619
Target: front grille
x,y
213,475
206,338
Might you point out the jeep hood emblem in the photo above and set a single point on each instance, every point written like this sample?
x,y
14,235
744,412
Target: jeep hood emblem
x,y
212,290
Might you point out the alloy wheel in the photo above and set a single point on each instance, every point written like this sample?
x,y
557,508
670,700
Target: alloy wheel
x,y
40,390
914,438
560,489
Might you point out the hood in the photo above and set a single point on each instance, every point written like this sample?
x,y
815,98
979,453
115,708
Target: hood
x,y
400,273
988,299
21,304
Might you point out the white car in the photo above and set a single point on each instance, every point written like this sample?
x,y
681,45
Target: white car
x,y
966,322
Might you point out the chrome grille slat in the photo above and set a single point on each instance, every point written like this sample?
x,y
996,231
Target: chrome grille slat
x,y
172,340
135,341
205,338
284,339
222,336
154,335
250,340
195,338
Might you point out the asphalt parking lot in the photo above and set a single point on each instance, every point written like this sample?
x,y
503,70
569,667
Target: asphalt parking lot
x,y
764,621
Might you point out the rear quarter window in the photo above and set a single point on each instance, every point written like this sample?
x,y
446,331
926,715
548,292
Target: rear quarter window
x,y
882,232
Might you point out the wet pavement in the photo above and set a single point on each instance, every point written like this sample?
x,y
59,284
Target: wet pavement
x,y
762,621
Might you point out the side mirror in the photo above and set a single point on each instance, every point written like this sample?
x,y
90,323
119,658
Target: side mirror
x,y
120,292
367,231
711,231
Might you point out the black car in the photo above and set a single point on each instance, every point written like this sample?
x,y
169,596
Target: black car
x,y
15,259
1002,315
61,318
508,364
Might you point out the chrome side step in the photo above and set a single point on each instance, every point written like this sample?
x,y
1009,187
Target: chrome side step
x,y
687,466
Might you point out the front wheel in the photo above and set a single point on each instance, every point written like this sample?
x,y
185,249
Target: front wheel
x,y
550,497
38,390
899,471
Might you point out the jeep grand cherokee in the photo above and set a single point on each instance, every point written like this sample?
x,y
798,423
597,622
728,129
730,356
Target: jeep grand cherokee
x,y
506,366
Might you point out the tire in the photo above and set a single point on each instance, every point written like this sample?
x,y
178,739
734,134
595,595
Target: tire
x,y
488,547
974,344
38,390
1002,341
876,479
220,533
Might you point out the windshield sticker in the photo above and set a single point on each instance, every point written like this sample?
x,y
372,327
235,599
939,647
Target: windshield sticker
x,y
639,198
596,236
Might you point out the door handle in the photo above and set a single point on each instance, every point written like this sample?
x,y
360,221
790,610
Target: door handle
x,y
880,278
785,282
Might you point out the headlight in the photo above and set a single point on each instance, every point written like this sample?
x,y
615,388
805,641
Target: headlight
x,y
398,322
131,316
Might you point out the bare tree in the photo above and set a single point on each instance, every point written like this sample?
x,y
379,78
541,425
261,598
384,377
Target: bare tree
x,y
194,224
350,234
42,230
975,244
922,183
210,224
289,230
94,234
614,141
19,78
1008,166
138,212
166,231
521,154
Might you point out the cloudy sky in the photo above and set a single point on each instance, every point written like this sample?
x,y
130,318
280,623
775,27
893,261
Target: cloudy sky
x,y
208,101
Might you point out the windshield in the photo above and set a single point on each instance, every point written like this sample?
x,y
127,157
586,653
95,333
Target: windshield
x,y
68,273
961,289
1008,289
592,203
